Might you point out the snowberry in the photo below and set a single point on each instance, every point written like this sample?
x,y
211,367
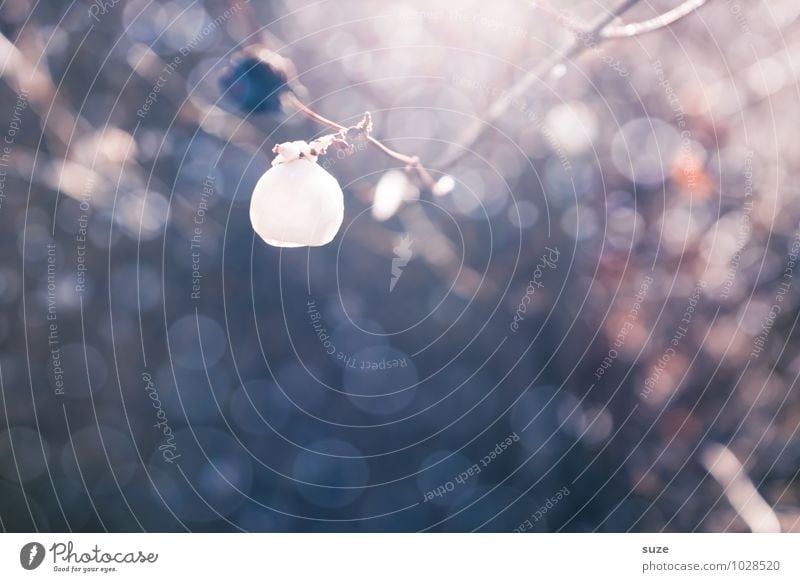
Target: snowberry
x,y
392,190
296,203
444,185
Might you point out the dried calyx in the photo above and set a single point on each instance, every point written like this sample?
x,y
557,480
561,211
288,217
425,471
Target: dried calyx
x,y
341,140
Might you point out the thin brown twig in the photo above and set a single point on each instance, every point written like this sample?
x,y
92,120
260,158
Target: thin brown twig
x,y
411,162
308,112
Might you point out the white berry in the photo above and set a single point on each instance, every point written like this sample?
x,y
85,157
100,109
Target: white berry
x,y
296,203
392,190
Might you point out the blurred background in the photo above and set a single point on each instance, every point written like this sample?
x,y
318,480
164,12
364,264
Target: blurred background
x,y
594,330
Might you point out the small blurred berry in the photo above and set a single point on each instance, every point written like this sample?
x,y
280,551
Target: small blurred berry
x,y
255,80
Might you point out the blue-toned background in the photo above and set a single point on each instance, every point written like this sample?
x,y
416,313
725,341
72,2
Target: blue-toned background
x,y
593,331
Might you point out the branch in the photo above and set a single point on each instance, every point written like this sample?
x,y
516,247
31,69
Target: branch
x,y
305,110
248,19
500,105
24,76
586,37
662,21
739,489
411,162
568,21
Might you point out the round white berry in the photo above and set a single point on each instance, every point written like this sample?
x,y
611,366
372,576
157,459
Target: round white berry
x,y
296,204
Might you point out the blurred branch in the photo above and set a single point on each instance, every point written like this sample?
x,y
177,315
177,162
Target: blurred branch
x,y
661,21
501,104
57,120
568,21
586,37
738,488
